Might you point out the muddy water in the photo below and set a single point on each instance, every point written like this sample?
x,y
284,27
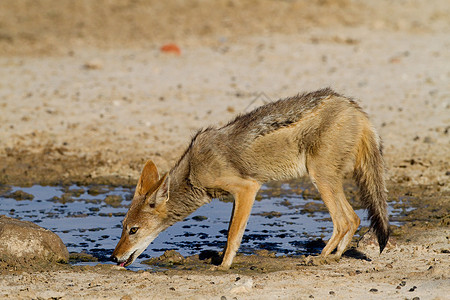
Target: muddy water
x,y
284,220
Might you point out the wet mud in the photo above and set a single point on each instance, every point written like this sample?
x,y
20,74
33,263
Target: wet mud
x,y
52,166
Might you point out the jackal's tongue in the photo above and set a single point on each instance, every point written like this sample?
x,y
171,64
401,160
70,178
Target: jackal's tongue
x,y
122,264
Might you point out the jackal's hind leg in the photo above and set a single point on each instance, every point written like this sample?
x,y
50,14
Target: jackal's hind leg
x,y
340,227
345,220
352,220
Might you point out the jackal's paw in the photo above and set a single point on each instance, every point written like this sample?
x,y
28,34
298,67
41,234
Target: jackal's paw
x,y
321,260
332,258
219,268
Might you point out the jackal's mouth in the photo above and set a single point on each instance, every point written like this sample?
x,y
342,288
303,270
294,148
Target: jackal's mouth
x,y
128,262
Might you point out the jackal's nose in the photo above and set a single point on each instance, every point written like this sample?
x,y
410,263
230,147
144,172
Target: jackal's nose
x,y
113,258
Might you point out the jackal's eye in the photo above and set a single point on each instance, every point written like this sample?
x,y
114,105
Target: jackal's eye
x,y
133,230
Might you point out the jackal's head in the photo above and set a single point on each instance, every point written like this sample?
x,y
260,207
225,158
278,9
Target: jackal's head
x,y
145,218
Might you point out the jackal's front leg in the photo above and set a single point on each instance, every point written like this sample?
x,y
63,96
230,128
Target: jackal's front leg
x,y
244,192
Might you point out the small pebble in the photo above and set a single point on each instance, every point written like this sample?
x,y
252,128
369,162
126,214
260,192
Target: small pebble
x,y
373,290
94,64
413,289
428,140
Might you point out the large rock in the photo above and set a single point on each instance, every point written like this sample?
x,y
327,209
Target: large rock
x,y
23,242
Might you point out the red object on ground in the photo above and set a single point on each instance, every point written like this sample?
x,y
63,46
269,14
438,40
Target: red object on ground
x,y
171,48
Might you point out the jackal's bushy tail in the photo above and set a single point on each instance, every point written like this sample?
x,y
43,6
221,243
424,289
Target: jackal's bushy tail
x,y
369,176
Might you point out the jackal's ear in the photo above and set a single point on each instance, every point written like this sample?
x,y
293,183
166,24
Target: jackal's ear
x,y
149,177
162,193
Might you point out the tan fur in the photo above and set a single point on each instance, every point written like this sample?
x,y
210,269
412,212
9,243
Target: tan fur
x,y
322,134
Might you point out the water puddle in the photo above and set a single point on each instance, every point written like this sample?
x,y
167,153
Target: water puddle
x,y
88,220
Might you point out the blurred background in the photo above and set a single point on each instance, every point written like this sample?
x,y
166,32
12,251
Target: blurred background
x,y
92,89
49,26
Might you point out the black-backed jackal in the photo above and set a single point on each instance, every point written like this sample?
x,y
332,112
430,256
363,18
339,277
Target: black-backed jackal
x,y
322,134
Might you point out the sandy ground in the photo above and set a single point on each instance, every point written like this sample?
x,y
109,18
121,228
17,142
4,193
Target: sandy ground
x,y
85,102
